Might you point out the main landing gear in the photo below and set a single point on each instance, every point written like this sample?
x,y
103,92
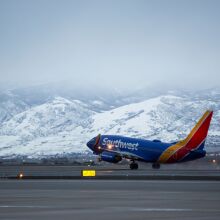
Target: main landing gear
x,y
133,166
156,166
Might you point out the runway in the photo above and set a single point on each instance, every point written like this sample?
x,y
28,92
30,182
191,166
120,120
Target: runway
x,y
113,172
109,199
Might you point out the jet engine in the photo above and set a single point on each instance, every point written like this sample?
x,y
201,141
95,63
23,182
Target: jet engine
x,y
110,157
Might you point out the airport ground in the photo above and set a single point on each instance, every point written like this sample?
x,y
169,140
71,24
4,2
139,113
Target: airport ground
x,y
109,199
204,168
119,193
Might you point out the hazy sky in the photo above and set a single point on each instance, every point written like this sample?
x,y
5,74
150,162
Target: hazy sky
x,y
110,43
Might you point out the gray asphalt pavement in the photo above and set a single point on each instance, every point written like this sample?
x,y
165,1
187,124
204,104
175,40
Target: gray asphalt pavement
x,y
109,170
109,199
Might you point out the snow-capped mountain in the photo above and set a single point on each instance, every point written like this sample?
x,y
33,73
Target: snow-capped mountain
x,y
167,118
47,119
10,105
45,129
63,125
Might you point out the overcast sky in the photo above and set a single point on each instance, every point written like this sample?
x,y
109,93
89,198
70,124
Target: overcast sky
x,y
110,43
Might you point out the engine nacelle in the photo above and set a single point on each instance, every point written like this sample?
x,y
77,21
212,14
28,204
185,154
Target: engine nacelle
x,y
110,157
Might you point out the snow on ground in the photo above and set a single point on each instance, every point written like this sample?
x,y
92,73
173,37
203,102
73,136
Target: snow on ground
x,y
63,126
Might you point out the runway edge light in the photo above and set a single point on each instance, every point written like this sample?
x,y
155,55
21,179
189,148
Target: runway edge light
x,y
20,175
88,173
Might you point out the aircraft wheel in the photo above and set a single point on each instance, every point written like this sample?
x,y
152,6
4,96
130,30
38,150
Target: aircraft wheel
x,y
156,166
133,166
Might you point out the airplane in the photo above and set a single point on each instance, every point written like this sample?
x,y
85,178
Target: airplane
x,y
113,148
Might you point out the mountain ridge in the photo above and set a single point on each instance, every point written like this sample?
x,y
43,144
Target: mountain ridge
x,y
62,126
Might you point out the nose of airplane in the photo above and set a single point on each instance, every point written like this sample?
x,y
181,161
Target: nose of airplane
x,y
91,143
94,142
